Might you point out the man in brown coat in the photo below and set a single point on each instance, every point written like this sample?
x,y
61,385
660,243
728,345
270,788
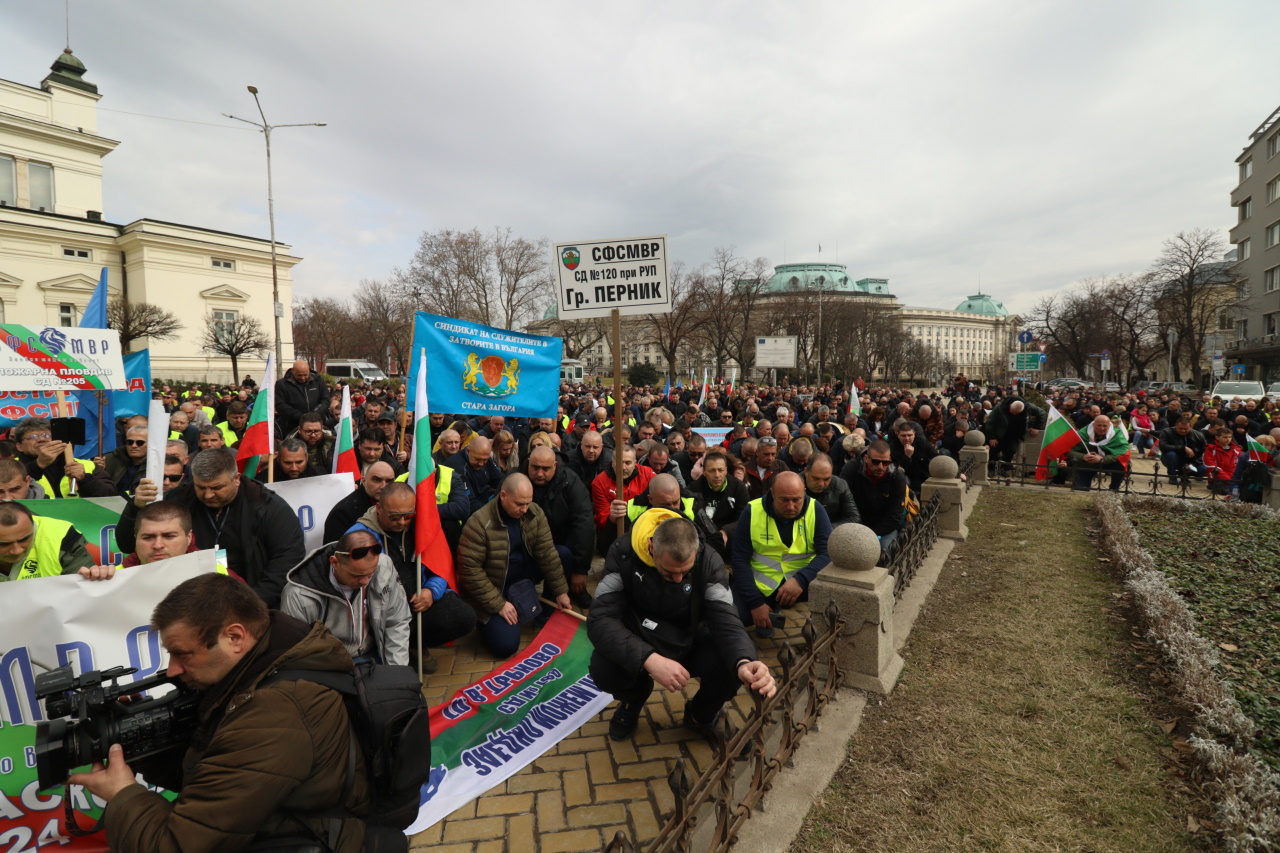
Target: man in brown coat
x,y
508,541
263,760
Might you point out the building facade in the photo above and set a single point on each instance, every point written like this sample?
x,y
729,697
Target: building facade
x,y
55,238
1256,236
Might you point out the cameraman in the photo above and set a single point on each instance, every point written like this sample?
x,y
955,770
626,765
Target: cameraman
x,y
262,762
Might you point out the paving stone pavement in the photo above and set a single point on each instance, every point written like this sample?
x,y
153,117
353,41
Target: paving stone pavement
x,y
577,796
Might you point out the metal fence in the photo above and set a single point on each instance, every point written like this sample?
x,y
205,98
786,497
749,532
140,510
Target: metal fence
x,y
963,470
760,749
913,546
1157,482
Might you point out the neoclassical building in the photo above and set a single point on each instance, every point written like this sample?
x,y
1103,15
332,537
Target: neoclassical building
x,y
974,338
55,236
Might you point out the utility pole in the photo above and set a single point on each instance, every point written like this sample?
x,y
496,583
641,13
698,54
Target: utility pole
x,y
265,128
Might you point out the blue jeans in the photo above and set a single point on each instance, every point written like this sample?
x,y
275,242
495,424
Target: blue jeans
x,y
1143,441
1173,460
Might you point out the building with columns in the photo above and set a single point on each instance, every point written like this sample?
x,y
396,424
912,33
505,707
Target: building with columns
x,y
55,237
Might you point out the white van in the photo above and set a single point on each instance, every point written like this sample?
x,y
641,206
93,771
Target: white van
x,y
354,369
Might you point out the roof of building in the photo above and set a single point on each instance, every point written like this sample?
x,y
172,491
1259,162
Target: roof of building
x,y
822,276
982,304
69,71
552,312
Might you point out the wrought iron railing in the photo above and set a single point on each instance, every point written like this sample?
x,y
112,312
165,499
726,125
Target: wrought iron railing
x,y
1179,485
809,681
913,546
964,468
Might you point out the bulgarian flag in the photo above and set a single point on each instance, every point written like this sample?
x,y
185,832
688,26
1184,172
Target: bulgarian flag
x,y
344,450
702,398
855,403
1258,453
1115,442
1059,437
260,435
431,546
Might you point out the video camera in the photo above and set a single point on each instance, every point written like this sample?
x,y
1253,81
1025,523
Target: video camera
x,y
107,713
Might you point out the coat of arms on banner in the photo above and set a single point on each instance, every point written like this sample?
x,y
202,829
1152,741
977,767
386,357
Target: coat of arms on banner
x,y
491,376
570,257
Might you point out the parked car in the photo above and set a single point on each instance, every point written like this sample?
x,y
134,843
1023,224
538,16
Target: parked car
x,y
1273,390
1228,390
344,368
1182,388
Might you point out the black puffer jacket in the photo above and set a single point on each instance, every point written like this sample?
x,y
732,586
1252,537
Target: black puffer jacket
x,y
880,504
632,596
294,399
566,503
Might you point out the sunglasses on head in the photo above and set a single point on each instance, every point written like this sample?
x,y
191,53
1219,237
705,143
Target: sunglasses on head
x,y
361,552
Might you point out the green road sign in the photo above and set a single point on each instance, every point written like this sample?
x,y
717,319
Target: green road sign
x,y
1024,361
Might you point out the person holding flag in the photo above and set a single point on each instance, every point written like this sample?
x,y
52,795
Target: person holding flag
x,y
1104,447
258,443
1059,438
344,449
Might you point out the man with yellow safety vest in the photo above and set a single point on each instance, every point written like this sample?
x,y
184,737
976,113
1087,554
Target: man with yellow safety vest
x,y
46,463
32,547
234,426
779,547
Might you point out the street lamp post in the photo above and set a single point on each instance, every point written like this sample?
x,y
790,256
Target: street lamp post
x,y
265,128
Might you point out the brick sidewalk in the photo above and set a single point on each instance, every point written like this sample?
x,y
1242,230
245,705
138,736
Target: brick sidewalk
x,y
577,796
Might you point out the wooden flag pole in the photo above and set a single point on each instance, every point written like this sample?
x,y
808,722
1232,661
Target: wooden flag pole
x,y
617,414
271,467
404,423
575,614
68,454
418,616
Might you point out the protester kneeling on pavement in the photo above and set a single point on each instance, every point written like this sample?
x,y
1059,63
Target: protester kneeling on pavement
x,y
663,612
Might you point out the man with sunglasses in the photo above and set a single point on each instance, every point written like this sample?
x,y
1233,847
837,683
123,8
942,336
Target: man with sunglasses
x,y
879,492
47,465
347,586
127,464
445,616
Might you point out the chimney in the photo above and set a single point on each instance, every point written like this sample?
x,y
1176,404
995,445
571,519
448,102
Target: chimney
x,y
93,215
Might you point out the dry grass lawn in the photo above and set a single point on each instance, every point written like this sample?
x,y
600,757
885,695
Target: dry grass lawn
x,y
1023,721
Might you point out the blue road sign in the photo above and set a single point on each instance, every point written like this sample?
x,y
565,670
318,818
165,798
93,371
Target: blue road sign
x,y
1025,337
1238,369
1044,357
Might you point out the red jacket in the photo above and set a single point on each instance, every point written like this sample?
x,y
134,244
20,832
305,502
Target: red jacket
x,y
1222,458
604,490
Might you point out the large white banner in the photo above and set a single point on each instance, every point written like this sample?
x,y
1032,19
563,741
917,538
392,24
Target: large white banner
x,y
312,499
89,625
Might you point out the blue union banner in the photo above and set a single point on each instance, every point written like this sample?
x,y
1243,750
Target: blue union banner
x,y
480,370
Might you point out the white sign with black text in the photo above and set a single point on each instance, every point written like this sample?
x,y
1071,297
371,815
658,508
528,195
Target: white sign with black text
x,y
776,351
596,276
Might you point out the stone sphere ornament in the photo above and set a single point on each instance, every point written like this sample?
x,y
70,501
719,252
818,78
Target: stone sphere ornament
x,y
854,547
974,438
943,468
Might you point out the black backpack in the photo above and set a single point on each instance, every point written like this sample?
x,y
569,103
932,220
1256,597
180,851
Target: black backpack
x,y
1256,477
390,724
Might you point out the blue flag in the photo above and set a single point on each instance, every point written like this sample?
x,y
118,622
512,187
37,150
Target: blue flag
x,y
95,317
95,313
666,392
481,370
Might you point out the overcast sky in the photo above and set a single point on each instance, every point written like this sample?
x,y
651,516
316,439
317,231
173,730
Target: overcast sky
x,y
1025,144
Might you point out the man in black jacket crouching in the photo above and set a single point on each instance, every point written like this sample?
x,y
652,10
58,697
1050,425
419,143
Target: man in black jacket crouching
x,y
663,612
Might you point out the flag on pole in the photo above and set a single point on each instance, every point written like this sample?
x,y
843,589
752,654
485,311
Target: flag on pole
x,y
855,403
1059,437
344,450
259,438
431,546
95,317
1258,453
1115,442
666,391
702,398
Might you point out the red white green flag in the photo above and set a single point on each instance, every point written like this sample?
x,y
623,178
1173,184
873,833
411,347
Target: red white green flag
x,y
259,440
344,450
1114,443
1257,452
1059,437
431,546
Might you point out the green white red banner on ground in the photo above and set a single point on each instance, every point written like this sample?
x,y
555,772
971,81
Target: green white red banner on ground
x,y
499,725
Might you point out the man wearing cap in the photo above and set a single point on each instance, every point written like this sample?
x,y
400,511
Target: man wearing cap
x,y
664,613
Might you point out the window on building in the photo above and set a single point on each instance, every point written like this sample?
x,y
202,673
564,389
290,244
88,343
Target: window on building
x,y
1242,289
66,315
223,264
1242,329
8,181
75,252
1246,170
40,186
224,324
1271,321
1273,190
1245,249
1272,234
1273,144
1244,209
1271,279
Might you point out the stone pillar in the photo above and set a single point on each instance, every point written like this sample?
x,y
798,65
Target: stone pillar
x,y
944,482
864,594
1271,491
975,447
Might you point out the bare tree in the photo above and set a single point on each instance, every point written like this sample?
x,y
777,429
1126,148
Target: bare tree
x,y
325,329
1197,285
385,318
136,320
747,316
522,275
234,338
1072,324
671,330
580,335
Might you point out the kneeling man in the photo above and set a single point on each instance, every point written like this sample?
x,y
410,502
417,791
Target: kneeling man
x,y
663,612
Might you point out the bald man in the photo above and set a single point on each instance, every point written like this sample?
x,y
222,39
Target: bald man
x,y
779,546
480,475
566,503
297,392
506,551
